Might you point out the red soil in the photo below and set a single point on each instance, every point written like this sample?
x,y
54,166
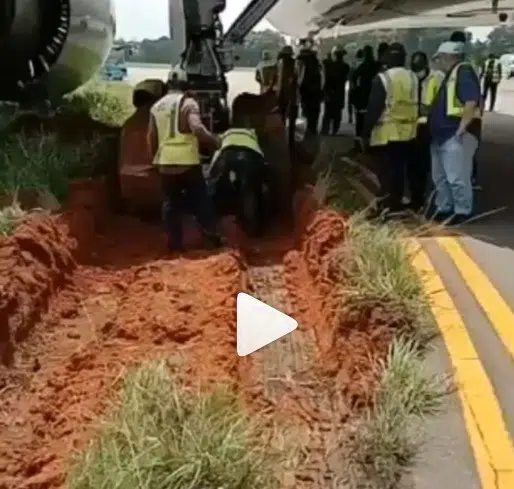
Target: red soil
x,y
85,294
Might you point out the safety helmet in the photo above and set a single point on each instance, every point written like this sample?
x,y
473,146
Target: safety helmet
x,y
177,74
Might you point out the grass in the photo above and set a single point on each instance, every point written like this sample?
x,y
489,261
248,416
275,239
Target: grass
x,y
332,186
107,102
374,268
164,435
10,217
43,165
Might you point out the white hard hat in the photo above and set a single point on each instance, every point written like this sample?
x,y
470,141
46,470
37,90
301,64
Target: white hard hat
x,y
178,74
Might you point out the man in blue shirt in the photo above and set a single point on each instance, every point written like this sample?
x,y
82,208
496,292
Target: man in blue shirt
x,y
455,127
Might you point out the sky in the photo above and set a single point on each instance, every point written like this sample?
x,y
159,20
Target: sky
x,y
149,19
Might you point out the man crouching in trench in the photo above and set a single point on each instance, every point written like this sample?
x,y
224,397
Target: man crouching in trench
x,y
175,134
238,175
263,112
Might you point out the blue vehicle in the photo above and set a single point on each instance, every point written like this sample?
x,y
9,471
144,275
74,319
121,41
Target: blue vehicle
x,y
115,67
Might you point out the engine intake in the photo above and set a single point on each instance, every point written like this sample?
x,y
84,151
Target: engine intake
x,y
32,36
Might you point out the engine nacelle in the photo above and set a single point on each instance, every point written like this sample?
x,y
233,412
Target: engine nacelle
x,y
51,47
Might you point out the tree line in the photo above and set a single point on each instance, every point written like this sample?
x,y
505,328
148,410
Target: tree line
x,y
499,41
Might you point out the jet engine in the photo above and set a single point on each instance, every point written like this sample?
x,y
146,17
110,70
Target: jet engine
x,y
51,47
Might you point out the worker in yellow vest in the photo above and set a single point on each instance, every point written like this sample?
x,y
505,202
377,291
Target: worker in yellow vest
x,y
491,75
266,74
174,137
463,37
430,81
390,126
455,121
238,175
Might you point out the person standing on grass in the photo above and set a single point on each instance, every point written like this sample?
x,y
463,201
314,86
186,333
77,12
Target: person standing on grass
x,y
390,127
174,136
334,90
362,81
454,123
310,84
266,72
359,55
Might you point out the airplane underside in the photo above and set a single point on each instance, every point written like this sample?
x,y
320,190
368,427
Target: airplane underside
x,y
332,17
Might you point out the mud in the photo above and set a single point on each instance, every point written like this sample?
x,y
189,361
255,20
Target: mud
x,y
86,294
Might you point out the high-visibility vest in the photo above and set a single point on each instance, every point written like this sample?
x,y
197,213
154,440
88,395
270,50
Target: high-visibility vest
x,y
493,70
268,72
175,148
246,138
454,107
429,90
398,122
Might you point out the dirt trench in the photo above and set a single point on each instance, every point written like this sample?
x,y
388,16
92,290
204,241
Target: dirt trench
x,y
84,295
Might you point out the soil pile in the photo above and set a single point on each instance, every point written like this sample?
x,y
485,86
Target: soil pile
x,y
100,294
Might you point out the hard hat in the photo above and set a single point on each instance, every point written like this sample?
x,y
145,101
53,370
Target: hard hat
x,y
177,74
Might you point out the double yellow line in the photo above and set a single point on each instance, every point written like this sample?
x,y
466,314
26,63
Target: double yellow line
x,y
489,437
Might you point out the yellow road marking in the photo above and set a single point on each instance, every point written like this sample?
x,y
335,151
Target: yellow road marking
x,y
492,303
490,440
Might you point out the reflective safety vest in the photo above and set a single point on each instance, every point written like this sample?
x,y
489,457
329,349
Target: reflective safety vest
x,y
246,138
429,89
268,72
175,148
398,122
493,70
454,107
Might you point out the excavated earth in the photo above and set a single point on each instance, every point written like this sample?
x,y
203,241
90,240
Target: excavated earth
x,y
85,294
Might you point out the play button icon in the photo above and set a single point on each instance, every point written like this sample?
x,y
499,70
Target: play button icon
x,y
259,325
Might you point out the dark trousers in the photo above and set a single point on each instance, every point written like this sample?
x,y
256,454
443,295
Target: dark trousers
x,y
359,126
243,194
492,90
332,115
418,168
359,122
393,159
187,192
311,108
289,111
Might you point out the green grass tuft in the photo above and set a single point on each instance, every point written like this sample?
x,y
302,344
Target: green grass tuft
x,y
373,267
105,102
390,435
165,436
41,163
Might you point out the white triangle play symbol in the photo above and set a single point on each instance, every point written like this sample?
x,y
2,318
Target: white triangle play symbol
x,y
259,325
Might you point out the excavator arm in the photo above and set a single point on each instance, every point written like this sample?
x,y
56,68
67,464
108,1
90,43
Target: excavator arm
x,y
249,18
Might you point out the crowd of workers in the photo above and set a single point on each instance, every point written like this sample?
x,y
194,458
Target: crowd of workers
x,y
416,117
162,145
